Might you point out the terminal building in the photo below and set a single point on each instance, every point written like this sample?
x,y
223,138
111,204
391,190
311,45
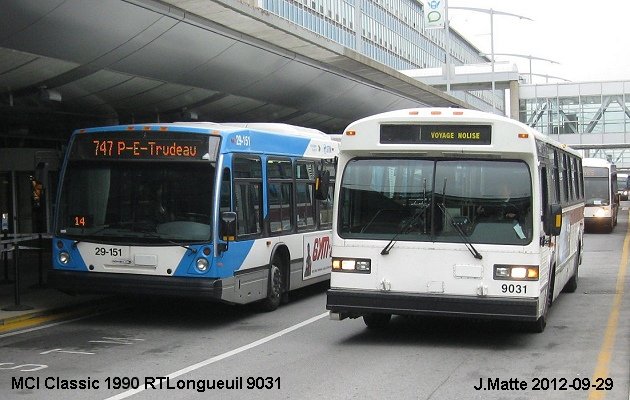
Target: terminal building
x,y
67,64
593,116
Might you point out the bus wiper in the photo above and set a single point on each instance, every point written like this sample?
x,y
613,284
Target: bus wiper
x,y
403,229
156,236
458,229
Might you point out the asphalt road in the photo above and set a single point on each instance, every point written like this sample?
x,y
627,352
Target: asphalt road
x,y
296,352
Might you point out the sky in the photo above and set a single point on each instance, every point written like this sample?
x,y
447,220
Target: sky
x,y
589,40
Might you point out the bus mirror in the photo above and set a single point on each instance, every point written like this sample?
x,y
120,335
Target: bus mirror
x,y
553,224
322,182
228,225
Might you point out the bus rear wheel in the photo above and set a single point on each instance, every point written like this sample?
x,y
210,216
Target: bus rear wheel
x,y
274,288
572,283
377,321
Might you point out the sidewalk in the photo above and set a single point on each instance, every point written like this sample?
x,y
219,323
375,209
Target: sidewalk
x,y
36,303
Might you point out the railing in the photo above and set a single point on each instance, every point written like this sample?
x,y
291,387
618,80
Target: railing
x,y
10,243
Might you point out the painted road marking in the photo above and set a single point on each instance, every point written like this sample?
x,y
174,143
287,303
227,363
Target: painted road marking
x,y
114,340
608,344
223,356
24,367
87,353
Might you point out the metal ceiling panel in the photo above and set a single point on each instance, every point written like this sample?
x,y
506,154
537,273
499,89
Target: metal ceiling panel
x,y
33,73
132,87
175,55
75,30
189,99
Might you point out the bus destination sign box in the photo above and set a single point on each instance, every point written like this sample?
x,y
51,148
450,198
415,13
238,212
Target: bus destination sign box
x,y
139,146
436,134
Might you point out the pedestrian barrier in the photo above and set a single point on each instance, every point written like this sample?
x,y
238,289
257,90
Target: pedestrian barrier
x,y
10,245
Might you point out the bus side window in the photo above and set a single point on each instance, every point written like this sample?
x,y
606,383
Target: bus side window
x,y
280,195
325,206
544,191
305,191
247,172
226,191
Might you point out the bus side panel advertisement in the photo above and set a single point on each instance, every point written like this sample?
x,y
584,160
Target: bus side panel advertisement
x,y
317,254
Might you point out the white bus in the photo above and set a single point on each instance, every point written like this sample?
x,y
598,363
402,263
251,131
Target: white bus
x,y
453,212
600,193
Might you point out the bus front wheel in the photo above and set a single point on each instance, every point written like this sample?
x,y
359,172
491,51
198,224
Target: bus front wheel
x,y
274,288
539,325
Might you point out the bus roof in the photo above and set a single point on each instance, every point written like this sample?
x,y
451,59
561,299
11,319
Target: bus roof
x,y
447,116
210,127
271,138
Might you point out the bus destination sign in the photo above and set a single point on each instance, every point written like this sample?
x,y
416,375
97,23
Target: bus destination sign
x,y
142,146
436,134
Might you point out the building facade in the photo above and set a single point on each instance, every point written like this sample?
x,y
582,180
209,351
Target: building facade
x,y
391,32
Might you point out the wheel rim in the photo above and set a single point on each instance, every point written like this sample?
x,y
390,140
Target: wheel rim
x,y
276,282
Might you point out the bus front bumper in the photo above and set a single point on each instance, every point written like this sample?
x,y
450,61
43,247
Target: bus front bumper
x,y
135,284
344,303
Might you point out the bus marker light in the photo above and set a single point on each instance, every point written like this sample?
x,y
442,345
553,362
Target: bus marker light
x,y
532,273
351,133
523,135
413,112
436,112
206,251
458,113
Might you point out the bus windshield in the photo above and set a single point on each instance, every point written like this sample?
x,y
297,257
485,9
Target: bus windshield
x,y
597,190
137,202
431,200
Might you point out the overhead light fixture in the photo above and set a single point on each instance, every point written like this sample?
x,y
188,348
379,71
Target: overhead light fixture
x,y
190,115
49,95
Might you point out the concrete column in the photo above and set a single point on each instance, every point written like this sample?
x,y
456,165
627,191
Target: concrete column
x,y
514,105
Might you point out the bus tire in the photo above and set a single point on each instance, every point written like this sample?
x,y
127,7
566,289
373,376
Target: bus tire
x,y
572,283
540,324
377,321
274,288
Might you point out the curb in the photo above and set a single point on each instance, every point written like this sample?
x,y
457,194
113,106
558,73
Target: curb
x,y
65,312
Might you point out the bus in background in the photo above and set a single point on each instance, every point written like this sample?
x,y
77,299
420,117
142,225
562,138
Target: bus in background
x,y
224,212
600,193
623,185
453,212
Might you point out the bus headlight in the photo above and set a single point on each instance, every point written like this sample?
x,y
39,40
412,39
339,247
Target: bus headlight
x,y
516,272
362,265
202,264
64,257
600,213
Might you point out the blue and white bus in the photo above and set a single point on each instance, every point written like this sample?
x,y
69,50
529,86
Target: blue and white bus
x,y
228,212
453,212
